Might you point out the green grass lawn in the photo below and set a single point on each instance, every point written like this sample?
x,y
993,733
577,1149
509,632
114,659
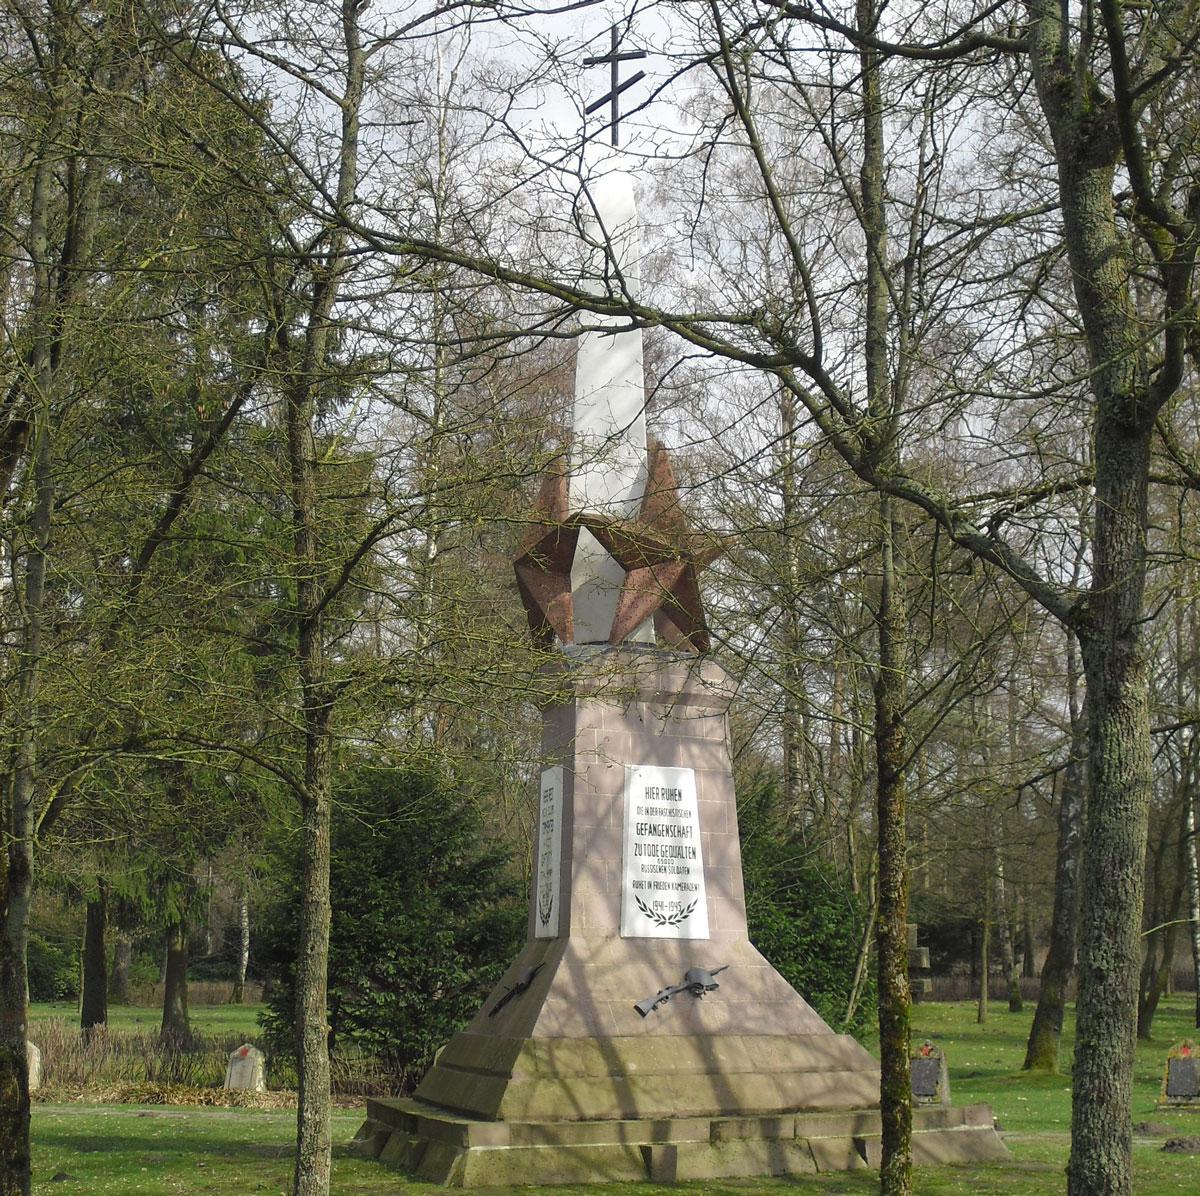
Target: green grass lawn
x,y
206,1019
160,1151
985,1065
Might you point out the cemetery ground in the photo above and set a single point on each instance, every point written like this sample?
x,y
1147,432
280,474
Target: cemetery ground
x,y
169,1150
206,1019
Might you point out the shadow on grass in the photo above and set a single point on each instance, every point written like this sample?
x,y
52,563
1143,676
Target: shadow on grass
x,y
181,1144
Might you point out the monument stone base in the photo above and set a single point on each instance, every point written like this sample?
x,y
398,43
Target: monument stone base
x,y
559,1078
441,1147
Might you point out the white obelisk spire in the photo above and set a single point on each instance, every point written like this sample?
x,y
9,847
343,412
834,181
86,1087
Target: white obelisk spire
x,y
608,447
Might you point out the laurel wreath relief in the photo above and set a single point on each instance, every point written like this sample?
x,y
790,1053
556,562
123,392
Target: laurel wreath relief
x,y
680,915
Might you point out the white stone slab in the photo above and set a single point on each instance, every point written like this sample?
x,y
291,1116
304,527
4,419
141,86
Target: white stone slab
x,y
246,1069
33,1061
662,890
608,445
546,908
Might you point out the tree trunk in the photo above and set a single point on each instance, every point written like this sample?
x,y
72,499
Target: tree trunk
x,y
206,943
62,102
1004,932
1193,885
1111,621
835,765
313,1129
852,857
1041,1051
891,683
16,872
313,1156
1155,982
985,962
1115,835
895,1093
238,995
1149,987
93,1010
118,979
862,959
799,791
1159,952
1006,921
176,1025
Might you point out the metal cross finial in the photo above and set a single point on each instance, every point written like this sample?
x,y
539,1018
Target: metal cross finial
x,y
616,87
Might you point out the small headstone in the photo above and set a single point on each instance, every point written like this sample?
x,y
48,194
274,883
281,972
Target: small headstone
x,y
920,982
1183,1080
929,1076
33,1060
1181,1076
246,1070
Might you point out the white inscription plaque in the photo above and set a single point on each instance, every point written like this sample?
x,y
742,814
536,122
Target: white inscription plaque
x,y
662,892
545,918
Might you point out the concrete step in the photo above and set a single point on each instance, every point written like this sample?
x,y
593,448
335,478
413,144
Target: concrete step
x,y
445,1148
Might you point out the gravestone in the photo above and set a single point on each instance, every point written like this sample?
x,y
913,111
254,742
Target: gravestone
x,y
1181,1076
929,1075
639,1034
247,1069
33,1060
920,983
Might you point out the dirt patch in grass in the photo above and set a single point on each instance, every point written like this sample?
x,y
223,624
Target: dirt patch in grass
x,y
167,1094
1182,1145
182,1095
1153,1128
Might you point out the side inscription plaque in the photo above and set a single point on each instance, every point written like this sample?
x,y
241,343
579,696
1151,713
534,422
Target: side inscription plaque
x,y
662,889
549,869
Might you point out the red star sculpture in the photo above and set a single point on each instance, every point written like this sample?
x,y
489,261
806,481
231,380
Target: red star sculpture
x,y
543,566
660,554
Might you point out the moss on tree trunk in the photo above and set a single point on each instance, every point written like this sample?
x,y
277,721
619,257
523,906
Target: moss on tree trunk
x,y
1116,823
895,1095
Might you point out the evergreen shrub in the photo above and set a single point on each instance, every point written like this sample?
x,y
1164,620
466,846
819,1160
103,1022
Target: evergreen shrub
x,y
53,969
803,917
427,913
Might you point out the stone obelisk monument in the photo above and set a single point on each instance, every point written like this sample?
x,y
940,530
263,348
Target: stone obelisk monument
x,y
638,1034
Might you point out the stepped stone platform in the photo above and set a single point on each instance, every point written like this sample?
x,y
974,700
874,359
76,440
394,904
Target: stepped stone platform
x,y
441,1147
